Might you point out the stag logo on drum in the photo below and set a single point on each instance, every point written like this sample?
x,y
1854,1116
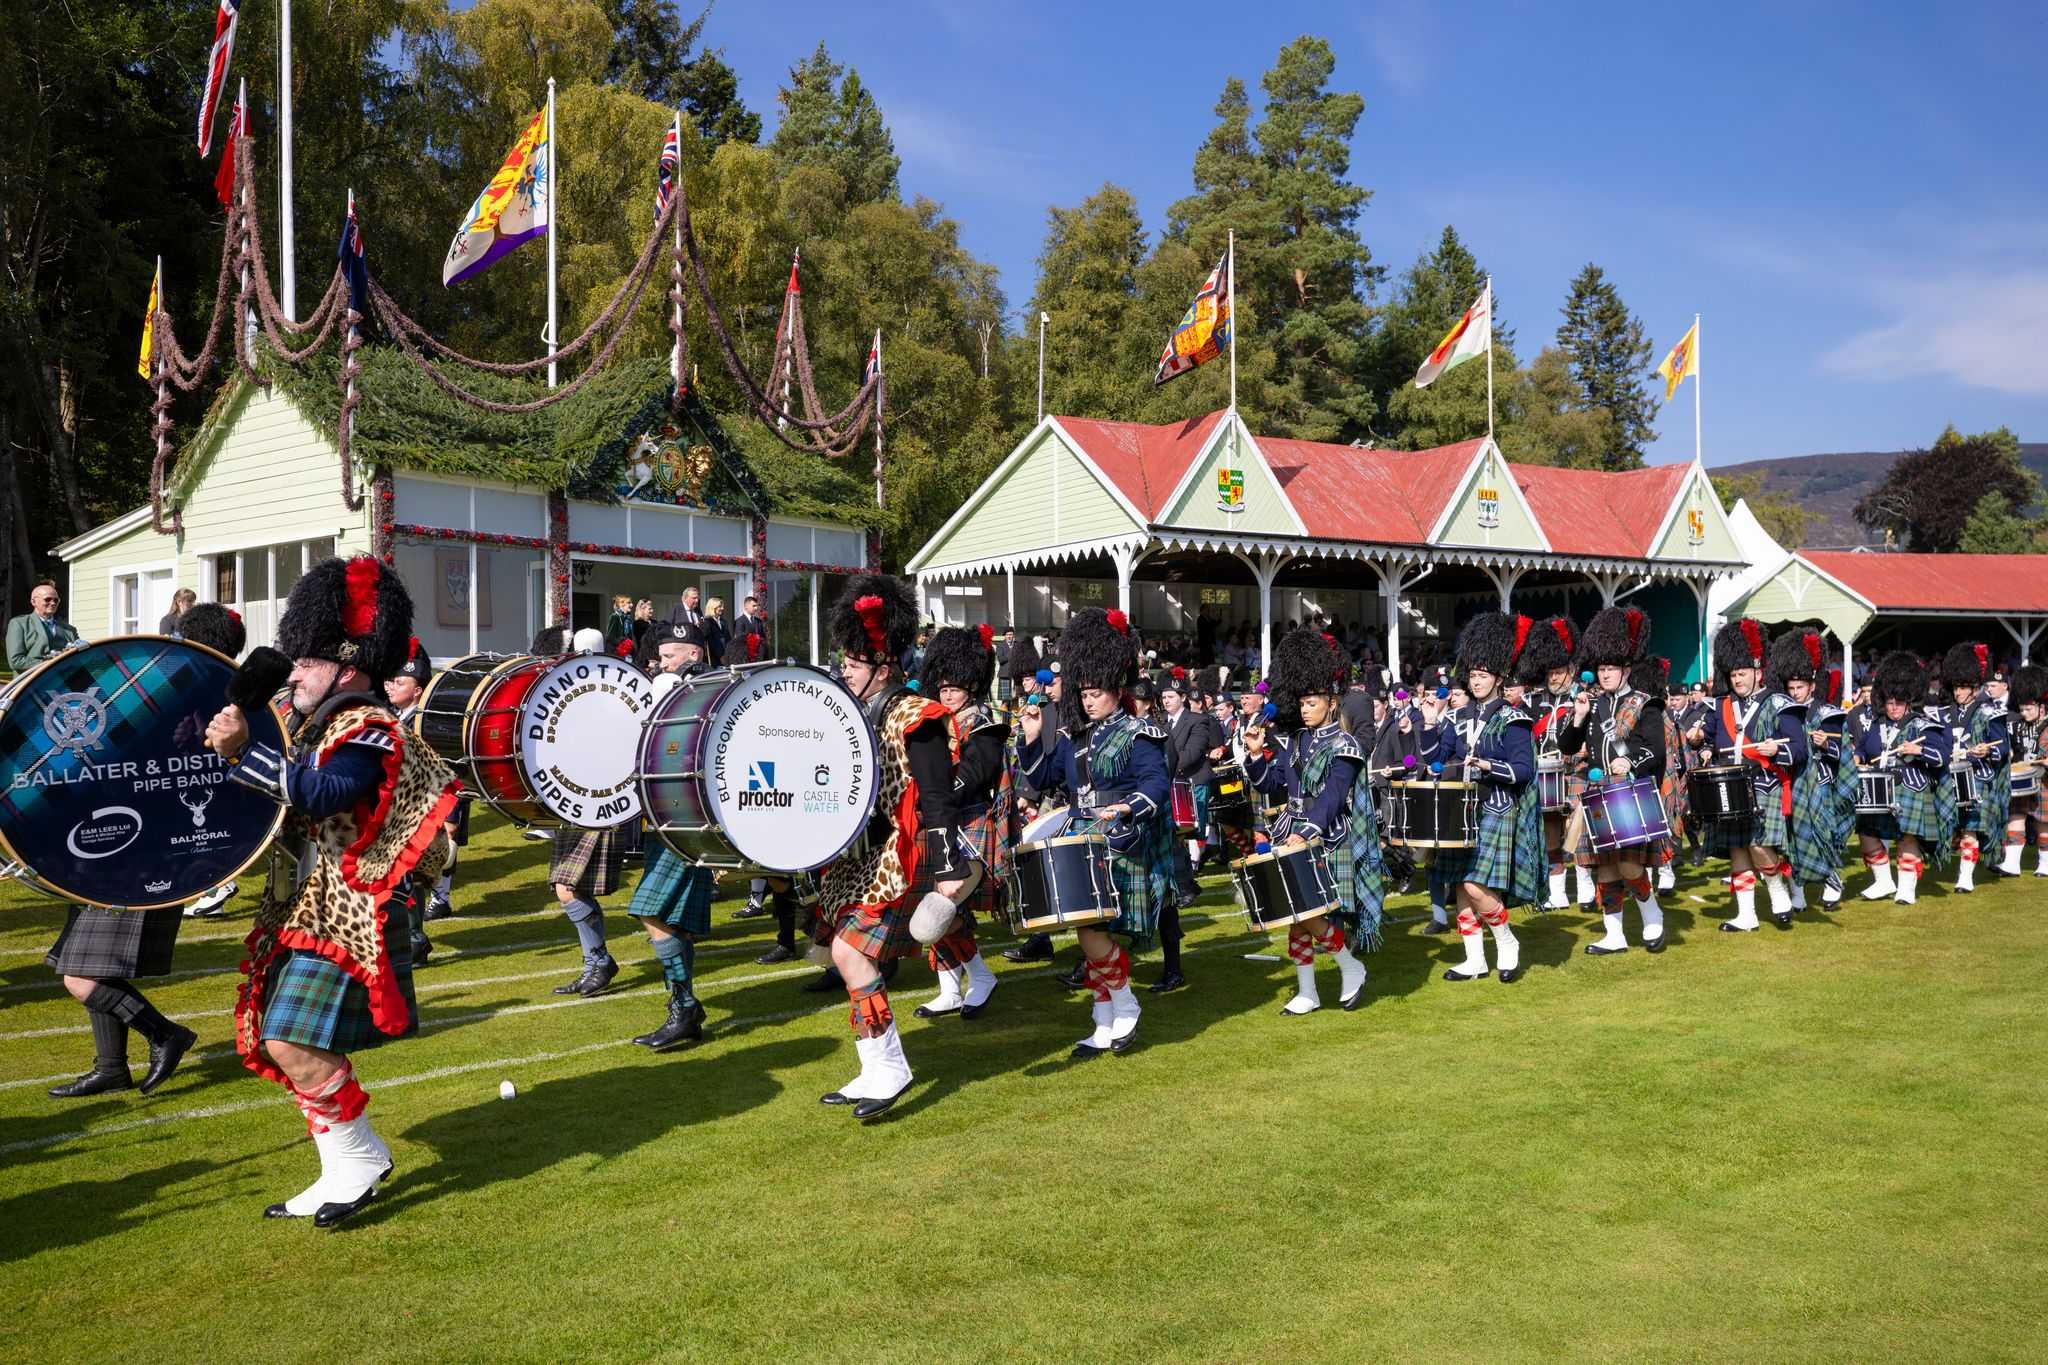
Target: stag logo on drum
x,y
75,720
761,790
105,832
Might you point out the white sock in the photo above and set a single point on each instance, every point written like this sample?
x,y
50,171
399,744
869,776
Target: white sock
x,y
1507,949
1881,883
861,1086
2041,863
1616,937
1475,954
1123,1012
1831,894
359,1159
1351,973
1653,918
1305,997
892,1068
1909,886
948,998
1585,884
1966,875
1437,914
2010,863
1745,908
1667,878
442,883
1780,894
981,982
1101,1014
1557,900
307,1202
1797,892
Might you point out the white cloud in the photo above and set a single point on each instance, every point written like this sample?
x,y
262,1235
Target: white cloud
x,y
1396,37
1975,326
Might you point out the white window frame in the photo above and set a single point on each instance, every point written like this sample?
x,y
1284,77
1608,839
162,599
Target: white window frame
x,y
140,573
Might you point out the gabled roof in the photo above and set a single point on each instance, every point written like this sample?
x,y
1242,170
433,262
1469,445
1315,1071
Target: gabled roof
x,y
2011,585
1381,496
1145,462
1615,515
107,531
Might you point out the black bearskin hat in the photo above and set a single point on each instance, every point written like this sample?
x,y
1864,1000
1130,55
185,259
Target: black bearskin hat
x,y
1209,681
1175,679
1096,650
353,612
1305,662
1965,665
958,657
215,626
1651,674
1549,646
1740,644
1797,654
1899,678
550,641
1616,636
1492,642
875,618
1023,659
416,666
1144,689
2029,683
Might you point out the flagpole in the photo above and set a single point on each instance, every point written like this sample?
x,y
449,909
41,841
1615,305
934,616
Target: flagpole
x,y
249,313
288,275
675,360
1489,357
880,385
1231,286
354,330
1696,452
553,228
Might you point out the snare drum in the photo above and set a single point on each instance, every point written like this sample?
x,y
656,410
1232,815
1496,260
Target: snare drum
x,y
1964,779
109,796
469,715
1062,883
759,768
1625,813
1553,784
1722,794
2026,778
1184,804
579,737
1285,886
1877,791
1433,813
1228,791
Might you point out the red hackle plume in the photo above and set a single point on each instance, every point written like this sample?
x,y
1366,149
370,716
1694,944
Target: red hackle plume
x,y
1813,650
359,614
1635,621
1523,625
1563,630
234,615
1834,693
1983,660
869,609
987,633
1118,622
1754,634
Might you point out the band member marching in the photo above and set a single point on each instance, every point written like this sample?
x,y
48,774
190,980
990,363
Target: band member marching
x,y
1620,731
1321,770
1116,767
1823,803
1652,677
1191,738
328,969
1759,731
1506,868
1546,675
2025,728
958,666
1910,739
910,864
1978,726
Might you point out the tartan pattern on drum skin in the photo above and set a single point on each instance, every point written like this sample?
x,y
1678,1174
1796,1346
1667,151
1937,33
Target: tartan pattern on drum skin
x,y
106,943
1354,852
310,1001
590,861
673,892
1143,875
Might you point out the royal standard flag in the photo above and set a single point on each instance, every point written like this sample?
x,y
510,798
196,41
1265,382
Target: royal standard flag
x,y
1469,337
512,209
1683,361
146,364
1204,330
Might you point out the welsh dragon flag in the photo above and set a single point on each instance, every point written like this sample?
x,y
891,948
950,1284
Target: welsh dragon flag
x,y
1470,337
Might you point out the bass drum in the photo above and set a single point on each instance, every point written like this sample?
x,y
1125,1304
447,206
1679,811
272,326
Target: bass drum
x,y
579,737
110,796
760,768
469,715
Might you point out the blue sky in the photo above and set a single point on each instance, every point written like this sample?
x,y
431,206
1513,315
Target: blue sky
x,y
1854,196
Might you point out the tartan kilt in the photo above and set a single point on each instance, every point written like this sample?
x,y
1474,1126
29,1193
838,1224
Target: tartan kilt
x,y
673,892
992,896
878,933
1818,828
104,944
1994,798
1361,891
1143,877
590,861
1491,863
310,1001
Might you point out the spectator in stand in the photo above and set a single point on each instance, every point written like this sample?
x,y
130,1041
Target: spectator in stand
x,y
620,624
41,633
750,632
643,621
715,634
686,612
181,602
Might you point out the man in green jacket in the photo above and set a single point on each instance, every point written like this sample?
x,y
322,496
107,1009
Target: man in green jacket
x,y
38,635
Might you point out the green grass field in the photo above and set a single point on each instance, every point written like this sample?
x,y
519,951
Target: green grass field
x,y
1814,1145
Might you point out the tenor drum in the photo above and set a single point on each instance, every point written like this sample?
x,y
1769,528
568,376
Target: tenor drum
x,y
1721,795
1553,784
579,739
759,768
470,715
1625,813
1285,886
1877,791
1184,804
1433,813
1228,792
109,795
1964,779
2026,778
1062,883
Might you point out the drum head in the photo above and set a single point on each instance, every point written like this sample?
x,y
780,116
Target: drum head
x,y
110,796
788,759
1048,825
579,738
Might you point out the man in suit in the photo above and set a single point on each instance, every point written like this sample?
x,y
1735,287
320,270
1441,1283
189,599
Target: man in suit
x,y
686,612
750,633
36,636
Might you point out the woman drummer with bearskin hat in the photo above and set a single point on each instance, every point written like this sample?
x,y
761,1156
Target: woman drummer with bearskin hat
x,y
1620,732
958,667
1979,727
1116,767
1321,770
2025,726
1911,740
1823,804
1506,866
1759,730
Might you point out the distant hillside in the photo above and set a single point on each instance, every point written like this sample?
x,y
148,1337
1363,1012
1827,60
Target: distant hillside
x,y
1829,486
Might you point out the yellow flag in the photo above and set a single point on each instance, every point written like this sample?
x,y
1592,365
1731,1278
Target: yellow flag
x,y
1683,361
146,365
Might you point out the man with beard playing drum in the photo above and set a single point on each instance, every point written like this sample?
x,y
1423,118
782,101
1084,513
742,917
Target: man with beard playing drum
x,y
1765,734
1621,733
958,667
329,969
1320,769
910,863
1506,867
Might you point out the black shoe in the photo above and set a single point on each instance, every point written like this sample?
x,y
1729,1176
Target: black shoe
x,y
1188,894
837,1097
1037,948
781,952
165,1054
1457,974
1783,921
333,1215
827,980
93,1082
1125,1043
280,1211
1510,975
1168,981
1729,926
1075,980
1084,1049
422,949
1656,945
927,1012
437,908
599,977
1437,927
867,1109
685,1025
1595,950
753,909
968,1011
1352,1001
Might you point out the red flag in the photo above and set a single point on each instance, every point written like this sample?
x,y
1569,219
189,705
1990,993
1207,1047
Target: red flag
x,y
238,128
217,69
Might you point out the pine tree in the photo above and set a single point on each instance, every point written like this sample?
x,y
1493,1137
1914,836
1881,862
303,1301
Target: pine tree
x,y
1087,284
1609,356
829,119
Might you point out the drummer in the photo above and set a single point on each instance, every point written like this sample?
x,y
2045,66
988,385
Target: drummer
x,y
1038,792
1823,804
1910,741
958,665
589,864
2025,692
1978,725
1191,737
1505,867
1319,768
1116,767
1545,673
1620,733
1763,733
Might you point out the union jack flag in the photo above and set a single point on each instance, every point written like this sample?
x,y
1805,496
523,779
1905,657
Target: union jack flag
x,y
217,69
666,185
